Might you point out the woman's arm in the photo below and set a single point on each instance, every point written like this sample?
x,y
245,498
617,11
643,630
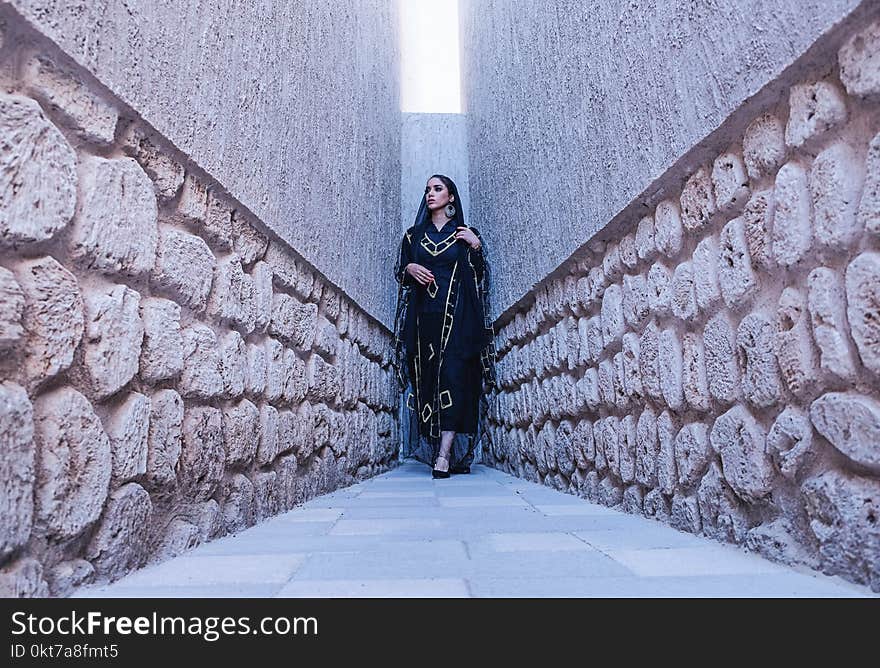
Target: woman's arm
x,y
404,258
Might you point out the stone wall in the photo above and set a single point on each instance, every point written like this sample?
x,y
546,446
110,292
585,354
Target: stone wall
x,y
170,371
714,363
576,108
292,106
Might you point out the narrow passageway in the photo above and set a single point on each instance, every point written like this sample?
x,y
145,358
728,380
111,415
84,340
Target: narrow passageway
x,y
487,534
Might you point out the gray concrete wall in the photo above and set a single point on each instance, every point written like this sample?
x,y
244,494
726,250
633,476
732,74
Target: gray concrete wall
x,y
576,108
432,144
291,106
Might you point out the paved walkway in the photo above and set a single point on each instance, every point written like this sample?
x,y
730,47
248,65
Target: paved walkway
x,y
484,534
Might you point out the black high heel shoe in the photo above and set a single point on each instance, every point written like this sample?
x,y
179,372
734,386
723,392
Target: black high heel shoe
x,y
437,473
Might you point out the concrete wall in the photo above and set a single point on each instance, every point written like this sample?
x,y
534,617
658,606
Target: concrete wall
x,y
432,144
577,108
291,106
718,366
169,371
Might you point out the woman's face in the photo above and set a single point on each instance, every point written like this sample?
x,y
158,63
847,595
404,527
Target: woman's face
x,y
437,194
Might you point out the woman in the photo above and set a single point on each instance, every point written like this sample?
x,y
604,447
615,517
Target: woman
x,y
444,338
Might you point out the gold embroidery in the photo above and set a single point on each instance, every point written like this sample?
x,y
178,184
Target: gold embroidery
x,y
426,413
445,403
431,348
435,248
410,401
436,289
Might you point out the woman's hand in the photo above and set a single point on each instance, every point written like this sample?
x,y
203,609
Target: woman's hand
x,y
465,234
420,273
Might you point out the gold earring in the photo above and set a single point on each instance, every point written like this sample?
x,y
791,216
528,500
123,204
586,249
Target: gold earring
x,y
450,211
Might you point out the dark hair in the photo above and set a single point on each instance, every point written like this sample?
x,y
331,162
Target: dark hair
x,y
423,215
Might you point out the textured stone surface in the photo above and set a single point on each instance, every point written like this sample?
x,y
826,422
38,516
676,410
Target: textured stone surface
x,y
684,298
268,446
241,433
112,341
16,467
184,268
685,513
697,201
736,277
646,245
128,430
668,228
635,300
790,442
647,448
232,295
851,423
740,441
826,300
201,377
705,273
657,506
863,307
649,349
694,382
65,577
730,182
11,309
115,230
262,279
165,172
121,541
23,579
691,453
721,512
53,317
255,377
667,429
859,59
843,513
792,229
815,108
293,322
73,464
274,354
835,189
757,220
869,206
165,439
630,372
162,350
233,364
202,457
764,145
722,369
669,364
37,174
795,353
659,290
755,342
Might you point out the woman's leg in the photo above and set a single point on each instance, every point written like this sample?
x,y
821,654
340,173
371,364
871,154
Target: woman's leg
x,y
446,438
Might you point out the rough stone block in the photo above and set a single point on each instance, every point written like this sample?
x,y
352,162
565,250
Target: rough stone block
x,y
631,373
583,444
628,253
589,387
202,458
740,441
649,349
23,579
843,513
73,464
232,297
128,430
684,298
11,310
606,382
869,205
668,228
859,59
121,541
685,514
647,448
598,281
636,307
621,398
66,577
794,348
705,274
863,307
563,450
595,340
657,506
764,145
694,382
115,230
239,507
247,242
667,429
645,243
53,317
851,423
112,342
758,223
297,382
815,108
162,350
599,440
16,467
669,365
292,322
269,446
241,433
611,263
608,493
201,377
326,338
193,203
90,116
255,378
790,442
233,364
274,370
697,202
165,172
217,225
38,177
633,500
626,448
184,268
721,512
827,303
179,536
736,277
722,369
792,230
613,325
692,453
164,441
755,341
731,183
659,290
835,188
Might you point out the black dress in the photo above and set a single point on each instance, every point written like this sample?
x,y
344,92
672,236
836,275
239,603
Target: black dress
x,y
444,342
